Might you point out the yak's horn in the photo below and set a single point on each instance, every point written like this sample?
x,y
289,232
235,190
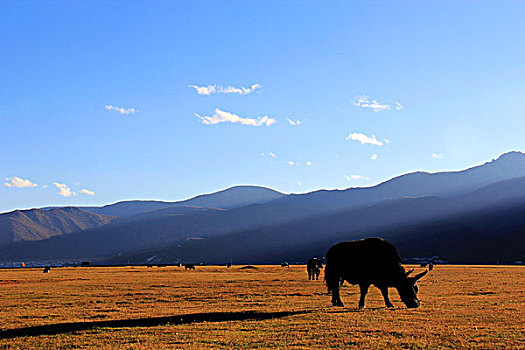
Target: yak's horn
x,y
419,275
408,272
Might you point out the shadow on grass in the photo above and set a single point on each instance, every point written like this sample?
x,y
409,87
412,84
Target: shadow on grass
x,y
338,310
59,328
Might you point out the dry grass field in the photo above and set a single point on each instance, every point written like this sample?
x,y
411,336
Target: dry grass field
x,y
462,307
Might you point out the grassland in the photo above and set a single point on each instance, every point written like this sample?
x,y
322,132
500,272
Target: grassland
x,y
462,307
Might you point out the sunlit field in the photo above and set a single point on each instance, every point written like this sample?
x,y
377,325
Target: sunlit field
x,y
462,307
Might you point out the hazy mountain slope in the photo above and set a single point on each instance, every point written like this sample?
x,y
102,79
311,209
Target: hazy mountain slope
x,y
169,211
292,220
232,233
37,224
482,237
464,229
233,197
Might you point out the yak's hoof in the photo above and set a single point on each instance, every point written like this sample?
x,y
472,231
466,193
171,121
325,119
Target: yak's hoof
x,y
361,306
390,306
337,303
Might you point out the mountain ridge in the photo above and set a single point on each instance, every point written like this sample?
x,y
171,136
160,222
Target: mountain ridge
x,y
300,219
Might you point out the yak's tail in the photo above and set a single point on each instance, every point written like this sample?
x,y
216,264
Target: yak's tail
x,y
331,276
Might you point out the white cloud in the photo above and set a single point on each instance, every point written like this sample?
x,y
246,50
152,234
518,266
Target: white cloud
x,y
299,183
437,155
373,157
364,139
88,192
18,182
356,177
294,122
214,89
64,190
226,117
308,163
292,163
45,186
121,110
204,90
241,91
262,154
364,101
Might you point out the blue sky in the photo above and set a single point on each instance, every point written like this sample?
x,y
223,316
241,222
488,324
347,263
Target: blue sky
x,y
96,96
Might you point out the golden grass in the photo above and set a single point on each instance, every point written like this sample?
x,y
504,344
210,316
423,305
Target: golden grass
x,y
462,307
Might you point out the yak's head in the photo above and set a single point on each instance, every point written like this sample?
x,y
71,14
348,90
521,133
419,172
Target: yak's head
x,y
408,289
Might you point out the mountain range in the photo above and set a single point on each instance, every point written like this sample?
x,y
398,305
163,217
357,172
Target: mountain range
x,y
473,215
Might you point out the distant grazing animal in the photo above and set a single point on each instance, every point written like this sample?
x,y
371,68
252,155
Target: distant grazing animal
x,y
85,263
228,265
285,264
370,261
423,265
430,267
149,265
189,266
46,269
314,266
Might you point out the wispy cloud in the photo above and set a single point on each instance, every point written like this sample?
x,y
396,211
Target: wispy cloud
x,y
121,110
364,101
356,177
437,155
226,117
15,181
64,190
364,139
241,90
373,157
214,89
299,183
308,163
294,122
205,90
88,192
292,163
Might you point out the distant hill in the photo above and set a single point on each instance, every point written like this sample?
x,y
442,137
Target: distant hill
x,y
458,229
234,197
169,211
37,224
254,224
420,226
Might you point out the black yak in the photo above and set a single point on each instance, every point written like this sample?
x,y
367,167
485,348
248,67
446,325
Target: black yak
x,y
313,267
370,261
285,264
189,266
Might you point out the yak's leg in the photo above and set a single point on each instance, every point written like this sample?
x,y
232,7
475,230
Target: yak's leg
x,y
309,274
364,290
384,291
336,298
